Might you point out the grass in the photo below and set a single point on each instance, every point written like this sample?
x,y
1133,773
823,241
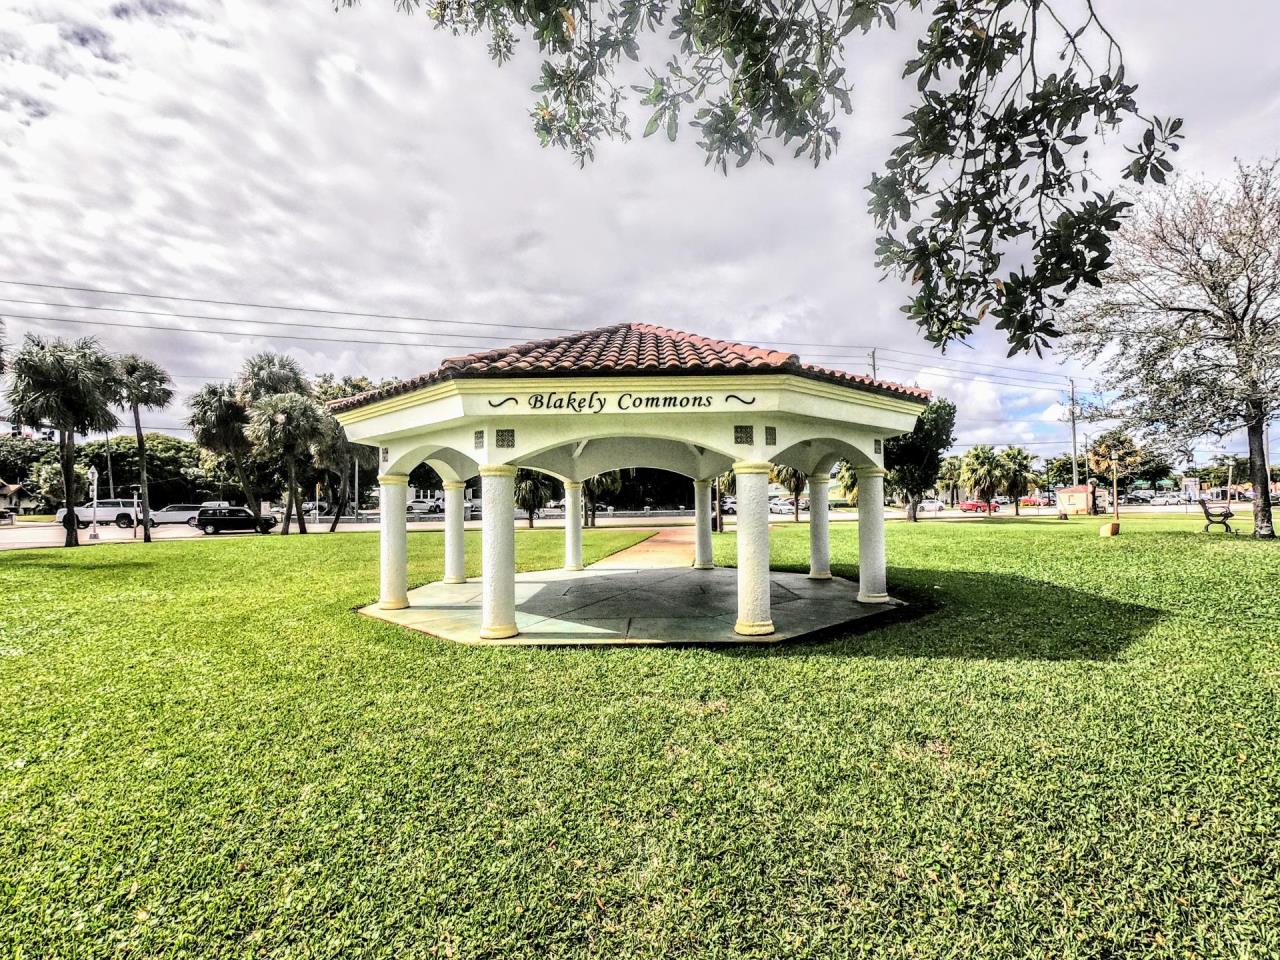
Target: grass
x,y
205,753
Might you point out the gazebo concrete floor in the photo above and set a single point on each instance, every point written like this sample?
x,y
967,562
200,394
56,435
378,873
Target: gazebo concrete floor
x,y
665,605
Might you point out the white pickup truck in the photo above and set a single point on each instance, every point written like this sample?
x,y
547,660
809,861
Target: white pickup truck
x,y
123,513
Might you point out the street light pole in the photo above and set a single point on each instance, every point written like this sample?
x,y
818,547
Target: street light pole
x,y
93,485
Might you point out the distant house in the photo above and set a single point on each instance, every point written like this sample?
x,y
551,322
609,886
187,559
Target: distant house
x,y
15,498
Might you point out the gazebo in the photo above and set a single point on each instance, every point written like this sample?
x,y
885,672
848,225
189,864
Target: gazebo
x,y
629,395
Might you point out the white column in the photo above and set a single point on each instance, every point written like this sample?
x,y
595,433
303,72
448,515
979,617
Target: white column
x,y
572,525
394,536
702,525
754,618
455,553
871,565
498,557
819,529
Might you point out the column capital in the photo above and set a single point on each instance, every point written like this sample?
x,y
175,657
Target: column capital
x,y
753,466
702,483
871,471
572,485
393,479
455,484
497,470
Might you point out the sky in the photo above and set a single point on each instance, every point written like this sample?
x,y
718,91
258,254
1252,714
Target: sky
x,y
286,153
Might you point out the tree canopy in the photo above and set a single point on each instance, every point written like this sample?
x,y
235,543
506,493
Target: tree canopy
x,y
914,460
1188,320
1011,99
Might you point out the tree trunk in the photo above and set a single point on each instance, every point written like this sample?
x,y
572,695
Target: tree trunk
x,y
250,495
1263,529
530,512
340,505
142,476
1017,506
296,492
796,500
913,506
288,512
68,440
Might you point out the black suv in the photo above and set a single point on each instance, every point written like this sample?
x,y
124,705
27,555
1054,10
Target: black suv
x,y
228,519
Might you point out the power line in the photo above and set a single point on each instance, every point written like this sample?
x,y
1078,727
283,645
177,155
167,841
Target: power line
x,y
333,312
327,311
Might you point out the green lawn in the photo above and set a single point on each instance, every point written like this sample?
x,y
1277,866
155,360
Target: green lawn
x,y
205,753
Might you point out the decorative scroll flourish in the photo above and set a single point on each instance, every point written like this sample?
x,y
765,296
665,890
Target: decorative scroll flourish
x,y
734,396
503,402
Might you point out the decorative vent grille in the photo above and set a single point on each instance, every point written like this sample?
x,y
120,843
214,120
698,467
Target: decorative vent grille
x,y
771,436
744,436
506,439
879,446
479,439
386,454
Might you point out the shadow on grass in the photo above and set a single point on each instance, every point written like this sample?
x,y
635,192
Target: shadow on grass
x,y
51,558
974,615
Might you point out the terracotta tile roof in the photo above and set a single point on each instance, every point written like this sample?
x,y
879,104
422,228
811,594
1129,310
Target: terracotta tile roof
x,y
626,349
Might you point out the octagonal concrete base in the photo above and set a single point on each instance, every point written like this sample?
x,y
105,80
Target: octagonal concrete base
x,y
633,606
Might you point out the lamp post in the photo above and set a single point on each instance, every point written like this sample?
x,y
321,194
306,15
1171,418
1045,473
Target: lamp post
x,y
1113,528
93,488
1115,485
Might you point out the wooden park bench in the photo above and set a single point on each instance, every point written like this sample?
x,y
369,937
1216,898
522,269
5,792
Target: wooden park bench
x,y
1216,515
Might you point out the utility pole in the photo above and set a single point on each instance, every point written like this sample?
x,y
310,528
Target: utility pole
x,y
1075,457
873,364
111,480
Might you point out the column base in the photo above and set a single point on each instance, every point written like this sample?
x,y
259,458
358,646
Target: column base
x,y
577,569
873,597
498,633
392,604
753,628
704,566
454,580
819,576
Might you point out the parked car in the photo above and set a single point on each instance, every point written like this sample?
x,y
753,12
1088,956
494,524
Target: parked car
x,y
779,505
123,513
1166,500
424,506
229,519
728,504
187,513
977,506
1035,501
930,505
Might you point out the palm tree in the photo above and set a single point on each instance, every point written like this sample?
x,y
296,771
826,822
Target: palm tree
x,y
595,487
533,490
218,421
949,477
142,383
794,480
983,473
267,373
846,476
333,452
1019,475
70,385
283,426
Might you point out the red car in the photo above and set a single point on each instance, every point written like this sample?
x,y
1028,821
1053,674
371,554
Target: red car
x,y
977,506
1035,502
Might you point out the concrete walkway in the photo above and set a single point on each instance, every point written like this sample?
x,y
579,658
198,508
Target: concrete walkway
x,y
646,594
